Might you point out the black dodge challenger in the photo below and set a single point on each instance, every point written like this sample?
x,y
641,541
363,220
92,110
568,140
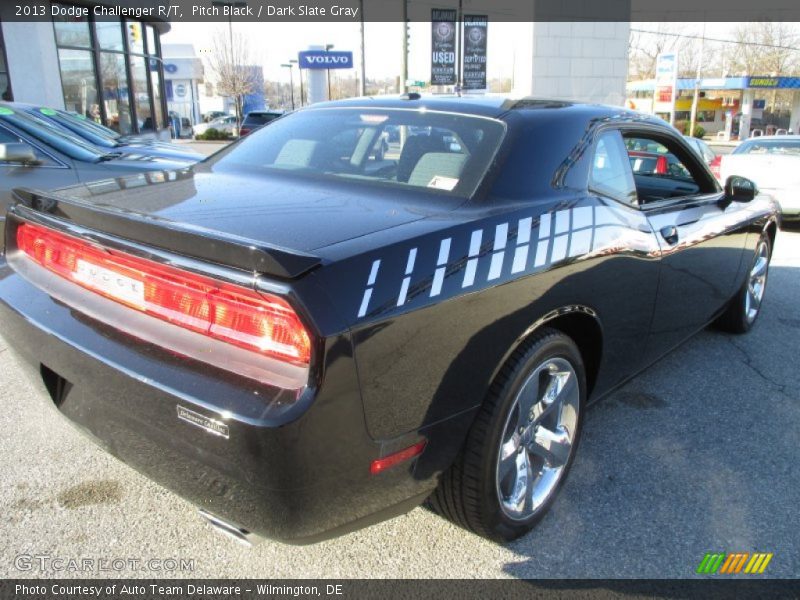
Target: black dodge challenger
x,y
304,336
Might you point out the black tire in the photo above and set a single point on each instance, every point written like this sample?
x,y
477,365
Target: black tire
x,y
468,491
737,318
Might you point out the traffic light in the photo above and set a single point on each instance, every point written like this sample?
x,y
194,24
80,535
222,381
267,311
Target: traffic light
x,y
135,32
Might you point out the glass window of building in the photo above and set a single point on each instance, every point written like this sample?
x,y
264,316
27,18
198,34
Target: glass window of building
x,y
155,74
71,31
5,82
110,71
151,39
79,82
141,96
115,92
109,34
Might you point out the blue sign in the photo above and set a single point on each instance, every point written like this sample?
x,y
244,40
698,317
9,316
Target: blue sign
x,y
320,59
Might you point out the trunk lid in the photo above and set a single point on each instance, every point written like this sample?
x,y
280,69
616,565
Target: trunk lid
x,y
272,224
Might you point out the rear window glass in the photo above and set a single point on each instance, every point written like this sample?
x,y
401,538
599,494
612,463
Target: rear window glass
x,y
791,147
442,152
259,118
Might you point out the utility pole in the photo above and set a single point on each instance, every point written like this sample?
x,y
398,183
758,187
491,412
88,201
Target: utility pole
x,y
459,44
291,80
404,68
695,99
363,89
300,75
328,71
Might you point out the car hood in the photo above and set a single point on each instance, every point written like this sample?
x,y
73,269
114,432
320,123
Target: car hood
x,y
129,161
281,210
158,149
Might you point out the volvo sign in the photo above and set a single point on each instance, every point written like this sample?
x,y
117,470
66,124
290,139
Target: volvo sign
x,y
320,59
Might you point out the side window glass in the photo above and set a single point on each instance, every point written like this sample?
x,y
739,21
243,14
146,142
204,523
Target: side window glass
x,y
610,174
13,143
660,172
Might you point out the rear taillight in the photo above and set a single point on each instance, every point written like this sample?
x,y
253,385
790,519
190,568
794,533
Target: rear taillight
x,y
661,165
715,166
261,323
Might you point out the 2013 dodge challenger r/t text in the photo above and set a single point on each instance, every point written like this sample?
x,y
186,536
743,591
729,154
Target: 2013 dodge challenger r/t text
x,y
304,336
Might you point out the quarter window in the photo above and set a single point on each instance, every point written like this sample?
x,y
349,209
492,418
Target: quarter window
x,y
610,173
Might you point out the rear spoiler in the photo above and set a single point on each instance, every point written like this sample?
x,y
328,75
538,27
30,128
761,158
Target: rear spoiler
x,y
189,240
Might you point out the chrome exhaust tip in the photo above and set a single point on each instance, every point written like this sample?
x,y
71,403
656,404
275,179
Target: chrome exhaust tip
x,y
229,530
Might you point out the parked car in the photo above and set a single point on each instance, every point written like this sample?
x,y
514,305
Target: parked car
x,y
302,339
258,118
103,138
214,114
773,163
35,153
224,124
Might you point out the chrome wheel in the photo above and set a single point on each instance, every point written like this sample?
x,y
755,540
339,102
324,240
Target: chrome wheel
x,y
756,282
538,438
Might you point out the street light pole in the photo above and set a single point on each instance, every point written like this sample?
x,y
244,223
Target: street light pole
x,y
328,71
300,75
363,88
404,65
291,80
693,116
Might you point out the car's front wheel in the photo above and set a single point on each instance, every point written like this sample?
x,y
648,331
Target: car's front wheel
x,y
522,443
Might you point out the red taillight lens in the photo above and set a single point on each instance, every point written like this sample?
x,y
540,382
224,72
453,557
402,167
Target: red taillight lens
x,y
661,165
259,322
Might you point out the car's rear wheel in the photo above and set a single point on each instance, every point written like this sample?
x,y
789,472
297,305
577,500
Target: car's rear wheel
x,y
522,443
745,307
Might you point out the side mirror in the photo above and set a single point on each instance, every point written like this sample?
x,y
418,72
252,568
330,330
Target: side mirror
x,y
18,153
740,189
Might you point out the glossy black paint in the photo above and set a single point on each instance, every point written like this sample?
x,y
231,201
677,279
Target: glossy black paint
x,y
415,306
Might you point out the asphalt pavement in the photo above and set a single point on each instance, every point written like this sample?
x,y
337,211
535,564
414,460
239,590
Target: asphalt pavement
x,y
697,454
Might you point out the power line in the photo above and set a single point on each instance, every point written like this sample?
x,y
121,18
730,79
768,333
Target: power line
x,y
709,39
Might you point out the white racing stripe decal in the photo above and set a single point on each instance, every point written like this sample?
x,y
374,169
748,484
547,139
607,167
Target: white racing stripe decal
x,y
544,240
373,275
563,234
412,257
500,240
441,267
472,263
523,245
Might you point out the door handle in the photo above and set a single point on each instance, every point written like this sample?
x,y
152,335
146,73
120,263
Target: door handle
x,y
670,234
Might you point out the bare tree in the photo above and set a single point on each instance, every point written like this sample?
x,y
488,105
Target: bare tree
x,y
231,62
766,48
644,48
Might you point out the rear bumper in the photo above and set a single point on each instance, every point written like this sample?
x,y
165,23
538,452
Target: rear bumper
x,y
300,476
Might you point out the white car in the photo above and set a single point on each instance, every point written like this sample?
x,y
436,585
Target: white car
x,y
773,162
227,124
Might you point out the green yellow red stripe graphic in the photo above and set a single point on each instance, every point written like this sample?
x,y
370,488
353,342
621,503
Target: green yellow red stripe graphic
x,y
732,563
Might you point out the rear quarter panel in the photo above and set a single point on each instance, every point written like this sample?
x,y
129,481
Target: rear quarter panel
x,y
434,317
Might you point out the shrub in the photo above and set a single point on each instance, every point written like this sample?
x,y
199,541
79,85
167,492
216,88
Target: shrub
x,y
683,127
214,134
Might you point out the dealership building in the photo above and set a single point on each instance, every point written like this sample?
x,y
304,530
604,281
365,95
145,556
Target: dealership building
x,y
106,68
